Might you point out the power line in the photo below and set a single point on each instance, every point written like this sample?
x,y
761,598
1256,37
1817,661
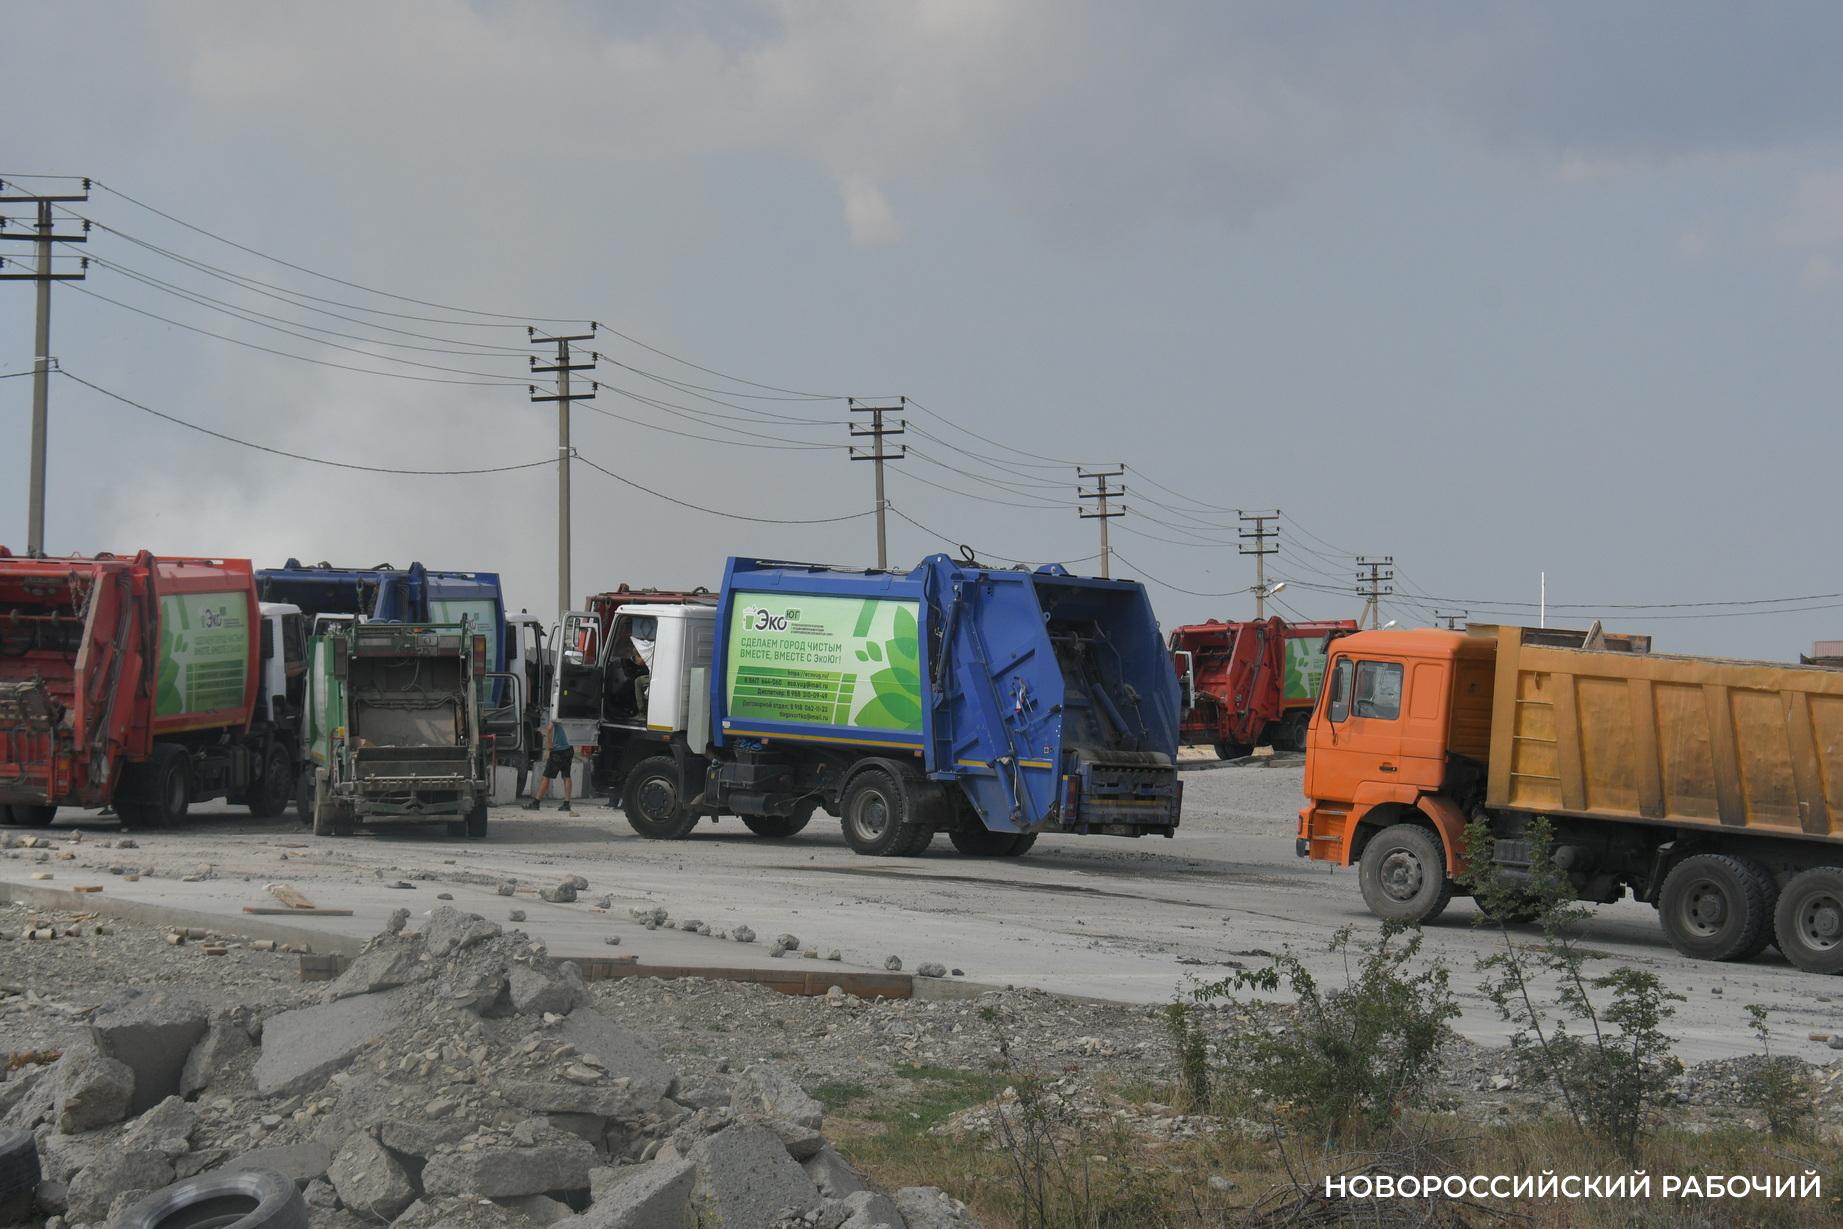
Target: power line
x,y
935,533
1048,462
733,516
1164,584
297,456
876,433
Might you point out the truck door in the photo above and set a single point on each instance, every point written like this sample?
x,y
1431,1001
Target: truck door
x,y
1359,734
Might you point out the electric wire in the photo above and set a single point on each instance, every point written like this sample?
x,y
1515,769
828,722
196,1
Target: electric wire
x,y
733,516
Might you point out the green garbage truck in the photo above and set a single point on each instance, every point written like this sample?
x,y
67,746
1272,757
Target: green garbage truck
x,y
399,728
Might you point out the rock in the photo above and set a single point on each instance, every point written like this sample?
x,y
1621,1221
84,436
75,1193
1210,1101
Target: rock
x,y
28,1096
61,1156
194,1163
1836,1042
422,1140
556,989
371,1181
562,894
623,1055
930,1207
770,1092
832,1174
613,940
226,1038
577,882
94,1090
931,968
745,1180
651,1195
508,888
786,943
94,1191
742,934
562,1163
869,1210
802,1143
379,968
515,915
538,1209
152,1031
399,918
301,1048
835,954
52,1197
433,1212
1219,1183
172,1121
450,930
302,1162
609,1100
894,965
444,896
320,1195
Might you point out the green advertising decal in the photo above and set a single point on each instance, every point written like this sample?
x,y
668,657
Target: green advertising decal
x,y
1305,667
204,653
479,613
825,661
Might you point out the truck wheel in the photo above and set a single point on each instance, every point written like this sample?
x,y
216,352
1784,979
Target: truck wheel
x,y
779,826
1403,875
882,816
1293,730
1809,921
1769,888
1232,751
476,821
984,843
168,791
29,816
1713,907
304,796
651,802
269,794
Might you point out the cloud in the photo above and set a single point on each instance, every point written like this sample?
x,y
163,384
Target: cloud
x,y
867,212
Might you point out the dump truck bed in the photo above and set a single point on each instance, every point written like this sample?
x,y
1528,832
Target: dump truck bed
x,y
1684,741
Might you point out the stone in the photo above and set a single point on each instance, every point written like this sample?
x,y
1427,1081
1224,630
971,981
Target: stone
x,y
562,894
786,943
538,1209
508,888
802,1142
152,1031
745,1180
651,1195
1836,1042
835,954
577,882
832,1174
226,1038
301,1048
371,1181
451,1213
379,968
893,964
303,1162
931,968
930,1207
624,1055
94,1191
515,915
560,1164
61,1156
173,1119
450,930
422,1140
94,1090
557,989
742,934
609,1100
399,918
869,1210
1219,1183
770,1092
320,1195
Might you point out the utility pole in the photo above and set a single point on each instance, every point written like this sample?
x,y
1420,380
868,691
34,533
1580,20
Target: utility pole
x,y
1374,586
1260,550
1102,513
43,236
564,398
876,433
1452,618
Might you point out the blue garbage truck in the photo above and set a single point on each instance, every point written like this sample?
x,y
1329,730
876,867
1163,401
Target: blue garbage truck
x,y
992,705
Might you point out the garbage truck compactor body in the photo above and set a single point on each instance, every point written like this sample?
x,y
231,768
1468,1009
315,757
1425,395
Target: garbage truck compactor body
x,y
1712,789
991,705
144,683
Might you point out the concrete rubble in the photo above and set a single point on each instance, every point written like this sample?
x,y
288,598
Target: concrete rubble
x,y
454,1076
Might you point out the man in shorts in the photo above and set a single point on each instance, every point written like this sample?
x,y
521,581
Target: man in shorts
x,y
559,758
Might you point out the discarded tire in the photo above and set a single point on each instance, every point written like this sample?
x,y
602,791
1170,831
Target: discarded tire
x,y
19,1175
241,1199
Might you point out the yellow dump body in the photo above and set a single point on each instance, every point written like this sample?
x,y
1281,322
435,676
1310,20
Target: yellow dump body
x,y
1684,741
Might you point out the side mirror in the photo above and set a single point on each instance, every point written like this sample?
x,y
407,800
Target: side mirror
x,y
342,657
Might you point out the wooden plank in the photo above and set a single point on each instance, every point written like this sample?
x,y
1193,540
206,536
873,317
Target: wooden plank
x,y
290,896
310,911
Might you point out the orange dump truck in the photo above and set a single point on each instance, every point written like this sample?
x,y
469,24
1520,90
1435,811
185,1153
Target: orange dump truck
x,y
1712,789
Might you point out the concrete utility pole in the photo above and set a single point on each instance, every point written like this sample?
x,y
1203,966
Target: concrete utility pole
x,y
876,433
1452,618
43,236
1101,494
1374,586
1260,550
563,397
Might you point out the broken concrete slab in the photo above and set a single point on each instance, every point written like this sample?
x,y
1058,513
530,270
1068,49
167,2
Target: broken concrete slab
x,y
832,1174
302,1162
802,1143
556,990
301,1048
770,1092
746,1179
653,1195
153,1031
623,1054
422,1140
226,1038
369,1180
94,1190
611,1100
166,1128
538,1209
383,967
930,1207
94,1090
869,1210
560,1164
450,930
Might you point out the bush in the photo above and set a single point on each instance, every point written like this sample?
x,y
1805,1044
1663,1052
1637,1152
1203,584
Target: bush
x,y
1353,1057
1192,1052
1781,1088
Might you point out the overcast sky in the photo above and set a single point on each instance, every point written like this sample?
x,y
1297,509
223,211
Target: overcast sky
x,y
1496,289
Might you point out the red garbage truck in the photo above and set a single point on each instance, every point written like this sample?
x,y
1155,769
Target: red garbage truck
x,y
1251,684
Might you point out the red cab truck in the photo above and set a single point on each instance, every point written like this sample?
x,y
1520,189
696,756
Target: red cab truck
x,y
1250,684
146,683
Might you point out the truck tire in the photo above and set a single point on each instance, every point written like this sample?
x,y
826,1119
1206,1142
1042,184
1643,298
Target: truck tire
x,y
19,1174
883,817
269,793
240,1199
1769,888
31,816
331,817
476,821
166,778
1713,907
1226,750
778,827
1808,924
984,843
1293,730
1403,875
651,802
